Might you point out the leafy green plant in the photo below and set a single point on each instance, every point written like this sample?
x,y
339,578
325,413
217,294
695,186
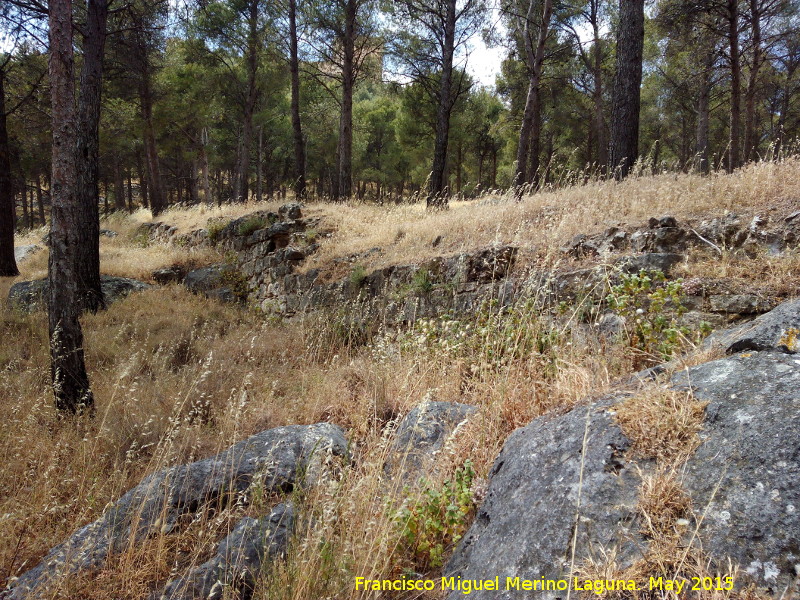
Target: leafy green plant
x,y
214,229
651,306
438,520
235,280
358,275
422,282
250,225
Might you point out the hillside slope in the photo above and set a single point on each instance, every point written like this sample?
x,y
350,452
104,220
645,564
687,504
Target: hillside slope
x,y
488,317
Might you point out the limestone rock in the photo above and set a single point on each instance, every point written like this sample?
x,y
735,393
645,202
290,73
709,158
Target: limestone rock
x,y
238,560
742,304
745,473
291,211
28,296
422,433
650,261
171,274
742,478
778,329
524,527
276,459
215,281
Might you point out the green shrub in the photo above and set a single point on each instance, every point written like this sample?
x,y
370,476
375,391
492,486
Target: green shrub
x,y
422,282
651,306
438,519
358,275
250,225
214,229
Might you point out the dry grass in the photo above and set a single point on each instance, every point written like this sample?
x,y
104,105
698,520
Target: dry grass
x,y
177,377
661,423
542,222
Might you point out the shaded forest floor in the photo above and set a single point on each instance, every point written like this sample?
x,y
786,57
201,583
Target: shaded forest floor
x,y
178,377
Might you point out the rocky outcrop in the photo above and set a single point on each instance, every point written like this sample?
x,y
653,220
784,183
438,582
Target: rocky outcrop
x,y
271,248
743,477
238,561
525,526
573,473
277,460
422,434
171,274
221,281
28,296
778,329
667,235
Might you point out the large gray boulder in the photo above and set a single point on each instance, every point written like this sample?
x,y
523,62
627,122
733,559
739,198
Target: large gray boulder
x,y
742,482
29,296
524,527
422,433
276,460
777,329
745,475
238,560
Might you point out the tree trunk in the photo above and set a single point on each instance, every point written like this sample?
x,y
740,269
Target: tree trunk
x,y
600,137
627,88
345,164
8,264
704,113
241,190
129,186
204,167
68,370
141,171
437,194
154,185
40,201
530,133
734,152
750,135
259,163
26,219
297,129
119,186
88,156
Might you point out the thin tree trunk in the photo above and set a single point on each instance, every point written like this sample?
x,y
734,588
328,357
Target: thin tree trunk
x,y
750,141
88,156
242,183
40,201
204,166
68,370
297,128
528,147
437,194
627,88
129,185
259,168
119,186
734,152
8,264
345,154
154,188
600,137
26,219
704,113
